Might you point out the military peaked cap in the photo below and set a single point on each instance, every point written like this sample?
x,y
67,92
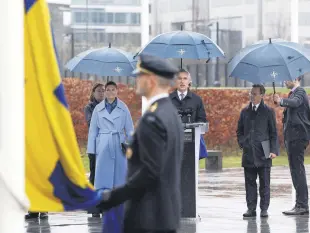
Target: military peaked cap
x,y
148,64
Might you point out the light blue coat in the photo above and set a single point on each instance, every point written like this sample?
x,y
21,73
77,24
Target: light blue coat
x,y
106,133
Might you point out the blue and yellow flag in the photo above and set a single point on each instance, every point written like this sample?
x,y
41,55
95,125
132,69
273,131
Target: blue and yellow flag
x,y
55,177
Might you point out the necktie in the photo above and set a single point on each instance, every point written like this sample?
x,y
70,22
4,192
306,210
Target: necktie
x,y
254,108
182,96
290,93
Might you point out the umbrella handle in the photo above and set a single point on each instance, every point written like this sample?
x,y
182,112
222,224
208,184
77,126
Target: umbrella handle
x,y
274,90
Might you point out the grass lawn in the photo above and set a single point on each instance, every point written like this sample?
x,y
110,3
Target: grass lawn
x,y
228,161
235,161
269,90
283,90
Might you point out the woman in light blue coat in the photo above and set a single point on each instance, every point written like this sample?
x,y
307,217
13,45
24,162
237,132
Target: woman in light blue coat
x,y
110,126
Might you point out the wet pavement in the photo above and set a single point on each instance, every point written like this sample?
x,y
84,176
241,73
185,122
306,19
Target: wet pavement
x,y
221,204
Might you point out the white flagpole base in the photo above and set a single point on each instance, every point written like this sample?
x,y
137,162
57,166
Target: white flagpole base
x,y
11,213
12,116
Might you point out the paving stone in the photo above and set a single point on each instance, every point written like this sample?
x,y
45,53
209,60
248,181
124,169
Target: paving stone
x,y
221,204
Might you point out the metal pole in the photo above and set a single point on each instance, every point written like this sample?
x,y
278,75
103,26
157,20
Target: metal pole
x,y
72,44
217,75
12,134
260,20
294,38
144,36
87,21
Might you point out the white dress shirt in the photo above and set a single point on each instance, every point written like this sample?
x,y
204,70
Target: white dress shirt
x,y
155,98
184,94
256,105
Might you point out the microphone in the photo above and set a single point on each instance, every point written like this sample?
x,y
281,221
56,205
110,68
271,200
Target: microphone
x,y
180,112
188,112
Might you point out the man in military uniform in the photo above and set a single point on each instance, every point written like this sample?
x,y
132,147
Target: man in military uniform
x,y
154,156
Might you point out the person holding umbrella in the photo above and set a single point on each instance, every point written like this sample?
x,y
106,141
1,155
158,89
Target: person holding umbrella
x,y
296,125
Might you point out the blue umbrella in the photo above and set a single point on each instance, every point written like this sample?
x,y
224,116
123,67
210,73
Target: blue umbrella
x,y
183,44
270,61
103,62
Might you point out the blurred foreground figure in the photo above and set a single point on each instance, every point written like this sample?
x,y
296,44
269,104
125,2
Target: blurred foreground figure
x,y
154,157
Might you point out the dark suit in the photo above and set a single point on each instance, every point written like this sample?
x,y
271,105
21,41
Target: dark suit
x,y
152,190
191,100
296,127
254,127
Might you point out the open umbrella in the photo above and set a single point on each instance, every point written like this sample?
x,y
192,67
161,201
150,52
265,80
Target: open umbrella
x,y
103,62
183,45
270,61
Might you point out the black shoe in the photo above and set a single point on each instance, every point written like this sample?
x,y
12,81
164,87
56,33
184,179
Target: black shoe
x,y
264,214
249,213
96,215
31,216
296,211
43,216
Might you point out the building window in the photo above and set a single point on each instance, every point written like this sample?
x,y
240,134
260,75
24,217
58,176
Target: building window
x,y
110,18
120,18
135,18
102,17
94,17
177,26
79,17
110,38
102,37
79,37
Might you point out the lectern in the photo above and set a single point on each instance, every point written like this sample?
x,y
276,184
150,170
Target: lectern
x,y
190,168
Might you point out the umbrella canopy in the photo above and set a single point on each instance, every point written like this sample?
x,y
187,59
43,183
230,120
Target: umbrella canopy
x,y
103,62
270,61
183,44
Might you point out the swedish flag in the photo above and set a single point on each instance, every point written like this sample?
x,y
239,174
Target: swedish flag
x,y
55,177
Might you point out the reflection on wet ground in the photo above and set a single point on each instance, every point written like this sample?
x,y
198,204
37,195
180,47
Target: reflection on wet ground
x,y
220,206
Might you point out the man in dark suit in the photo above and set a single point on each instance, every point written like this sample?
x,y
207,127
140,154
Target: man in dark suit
x,y
154,157
184,99
257,136
296,128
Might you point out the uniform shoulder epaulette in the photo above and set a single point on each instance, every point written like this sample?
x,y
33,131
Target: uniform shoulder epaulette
x,y
153,107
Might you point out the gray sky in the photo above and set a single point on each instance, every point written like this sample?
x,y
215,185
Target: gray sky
x,y
60,1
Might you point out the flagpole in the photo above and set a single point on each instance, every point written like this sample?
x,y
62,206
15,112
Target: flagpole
x,y
144,35
294,38
12,138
